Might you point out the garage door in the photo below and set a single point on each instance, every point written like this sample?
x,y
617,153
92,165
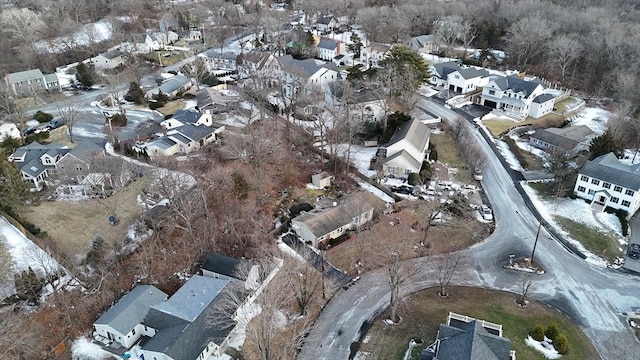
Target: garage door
x,y
491,104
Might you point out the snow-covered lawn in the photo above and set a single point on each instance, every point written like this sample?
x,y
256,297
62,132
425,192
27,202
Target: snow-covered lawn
x,y
579,211
374,190
548,352
87,34
83,349
508,155
595,118
360,156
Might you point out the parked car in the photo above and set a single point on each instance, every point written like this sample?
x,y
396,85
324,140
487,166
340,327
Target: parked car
x,y
486,212
634,251
402,189
29,131
477,175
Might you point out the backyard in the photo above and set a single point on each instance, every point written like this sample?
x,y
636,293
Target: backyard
x,y
424,311
73,224
449,155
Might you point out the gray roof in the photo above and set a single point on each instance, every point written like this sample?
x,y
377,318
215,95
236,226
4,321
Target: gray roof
x,y
177,137
324,221
418,42
471,73
187,116
182,322
174,84
86,150
442,70
256,57
327,44
112,54
131,309
222,264
541,99
303,68
516,84
32,164
566,138
49,78
608,168
415,132
195,133
209,98
406,156
325,20
163,142
25,75
212,54
470,341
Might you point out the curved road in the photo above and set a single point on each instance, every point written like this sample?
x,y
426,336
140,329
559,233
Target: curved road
x,y
594,297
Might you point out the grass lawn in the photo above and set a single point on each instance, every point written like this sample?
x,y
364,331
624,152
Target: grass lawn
x,y
568,103
594,240
498,126
166,61
73,224
425,311
449,155
171,107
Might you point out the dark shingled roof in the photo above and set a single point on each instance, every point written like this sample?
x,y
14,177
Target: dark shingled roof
x,y
132,308
327,44
442,70
565,138
324,221
608,168
195,133
541,99
222,264
470,73
470,341
516,84
416,133
187,116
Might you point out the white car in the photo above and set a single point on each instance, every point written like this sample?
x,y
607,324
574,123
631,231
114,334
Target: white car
x,y
486,213
477,175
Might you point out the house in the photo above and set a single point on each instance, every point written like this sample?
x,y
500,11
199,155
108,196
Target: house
x,y
169,328
607,182
154,41
374,54
458,79
221,267
330,221
363,104
182,139
162,146
465,338
420,43
261,66
212,101
321,180
227,61
171,86
75,164
109,60
542,105
37,161
194,34
326,24
306,75
511,95
28,82
183,117
327,49
569,141
406,150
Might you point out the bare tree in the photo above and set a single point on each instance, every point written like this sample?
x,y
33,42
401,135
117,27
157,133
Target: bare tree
x,y
527,281
198,70
447,31
564,51
69,112
446,265
528,37
304,281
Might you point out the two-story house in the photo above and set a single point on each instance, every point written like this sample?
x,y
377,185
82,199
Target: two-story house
x,y
407,149
514,96
462,80
217,61
327,49
305,75
260,67
363,104
607,182
37,161
109,60
374,54
24,83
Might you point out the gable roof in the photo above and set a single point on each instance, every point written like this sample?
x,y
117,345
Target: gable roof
x,y
470,340
32,164
304,68
327,44
405,156
516,84
418,42
222,264
131,309
325,20
210,98
162,142
259,58
187,116
608,168
324,221
50,78
173,84
415,132
193,132
471,73
566,138
112,54
86,150
442,70
25,75
543,98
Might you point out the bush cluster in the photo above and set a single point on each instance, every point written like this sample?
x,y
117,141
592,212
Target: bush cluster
x,y
551,332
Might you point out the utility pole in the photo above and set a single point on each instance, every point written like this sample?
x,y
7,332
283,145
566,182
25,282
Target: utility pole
x,y
324,297
535,243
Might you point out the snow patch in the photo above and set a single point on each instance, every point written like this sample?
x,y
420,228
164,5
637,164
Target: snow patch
x,y
547,351
374,190
83,349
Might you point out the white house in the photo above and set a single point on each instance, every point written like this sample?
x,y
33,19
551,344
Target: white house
x,y
109,60
327,49
420,43
326,24
374,54
183,117
463,80
171,86
220,61
607,182
328,222
37,161
542,105
407,149
306,75
512,95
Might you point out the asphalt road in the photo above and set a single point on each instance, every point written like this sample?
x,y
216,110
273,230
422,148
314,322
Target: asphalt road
x,y
594,297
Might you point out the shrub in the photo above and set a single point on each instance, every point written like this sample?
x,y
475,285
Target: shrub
x,y
433,153
119,120
552,332
413,179
135,94
538,332
561,344
573,196
624,224
42,117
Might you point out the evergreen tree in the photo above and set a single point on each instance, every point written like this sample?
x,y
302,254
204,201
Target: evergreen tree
x,y
605,144
84,75
135,94
356,46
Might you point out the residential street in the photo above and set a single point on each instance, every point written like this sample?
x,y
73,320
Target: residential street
x,y
594,297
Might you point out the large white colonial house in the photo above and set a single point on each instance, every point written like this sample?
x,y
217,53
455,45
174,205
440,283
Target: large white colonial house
x,y
606,181
516,97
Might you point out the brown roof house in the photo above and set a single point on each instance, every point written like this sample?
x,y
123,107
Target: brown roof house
x,y
330,221
570,140
465,338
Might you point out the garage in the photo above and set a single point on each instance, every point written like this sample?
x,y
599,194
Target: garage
x,y
491,104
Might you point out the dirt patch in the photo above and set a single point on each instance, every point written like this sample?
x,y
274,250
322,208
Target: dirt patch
x,y
73,224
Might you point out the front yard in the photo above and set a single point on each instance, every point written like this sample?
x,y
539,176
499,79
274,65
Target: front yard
x,y
424,311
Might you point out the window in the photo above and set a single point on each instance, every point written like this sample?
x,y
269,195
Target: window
x,y
133,332
629,192
625,203
617,188
581,188
78,168
614,200
584,178
595,181
592,192
492,92
606,185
